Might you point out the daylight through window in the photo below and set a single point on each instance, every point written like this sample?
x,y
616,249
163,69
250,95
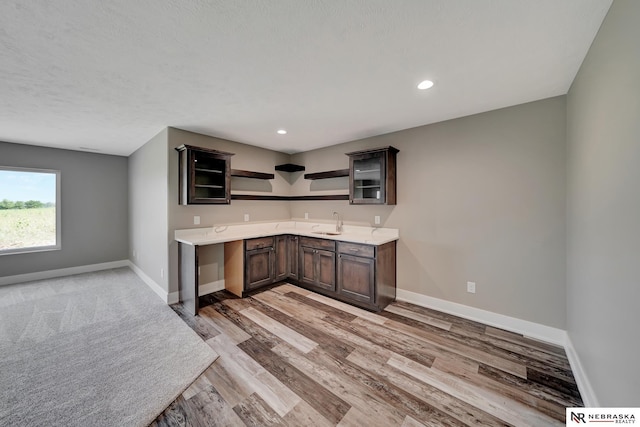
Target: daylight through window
x,y
29,210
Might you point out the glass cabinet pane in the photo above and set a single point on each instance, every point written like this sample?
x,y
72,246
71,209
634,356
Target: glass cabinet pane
x,y
367,178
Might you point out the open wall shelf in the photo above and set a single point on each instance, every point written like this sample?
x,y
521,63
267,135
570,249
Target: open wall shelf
x,y
328,174
251,174
289,167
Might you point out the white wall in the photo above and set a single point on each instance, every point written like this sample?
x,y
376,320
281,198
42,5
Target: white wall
x,y
603,240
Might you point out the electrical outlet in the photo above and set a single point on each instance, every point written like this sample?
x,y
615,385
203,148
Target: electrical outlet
x,y
135,254
196,219
471,287
376,219
246,217
306,215
162,273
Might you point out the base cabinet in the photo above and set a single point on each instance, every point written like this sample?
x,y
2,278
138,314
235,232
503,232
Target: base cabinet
x,y
317,267
269,260
259,263
356,278
363,275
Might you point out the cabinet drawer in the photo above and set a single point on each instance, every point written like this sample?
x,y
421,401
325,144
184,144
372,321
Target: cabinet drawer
x,y
310,242
259,243
356,249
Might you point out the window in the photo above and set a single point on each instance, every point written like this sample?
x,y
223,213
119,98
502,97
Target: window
x,y
29,210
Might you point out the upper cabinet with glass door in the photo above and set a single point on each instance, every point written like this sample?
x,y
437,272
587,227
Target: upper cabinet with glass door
x,y
205,176
372,176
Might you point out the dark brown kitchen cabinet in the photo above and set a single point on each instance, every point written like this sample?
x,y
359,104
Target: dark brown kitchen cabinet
x,y
372,176
260,265
317,263
366,274
292,257
205,176
356,278
281,258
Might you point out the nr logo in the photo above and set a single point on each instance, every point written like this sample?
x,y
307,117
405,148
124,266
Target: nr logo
x,y
577,417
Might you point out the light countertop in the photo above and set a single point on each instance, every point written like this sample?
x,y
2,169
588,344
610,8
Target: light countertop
x,y
229,233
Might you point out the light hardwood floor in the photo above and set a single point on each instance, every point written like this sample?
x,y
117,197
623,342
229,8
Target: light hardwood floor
x,y
292,357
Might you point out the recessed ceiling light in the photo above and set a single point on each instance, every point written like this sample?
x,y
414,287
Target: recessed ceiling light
x,y
425,84
282,131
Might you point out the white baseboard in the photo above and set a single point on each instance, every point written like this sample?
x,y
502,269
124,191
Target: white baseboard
x,y
524,327
174,297
50,274
151,283
584,385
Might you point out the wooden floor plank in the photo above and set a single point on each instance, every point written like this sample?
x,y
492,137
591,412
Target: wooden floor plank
x,y
231,311
303,414
555,408
227,382
456,408
515,352
175,416
427,320
201,383
397,397
291,357
279,397
319,309
454,346
520,339
492,403
255,412
287,287
541,391
410,422
308,329
324,401
364,314
201,325
343,386
209,407
285,333
234,332
445,317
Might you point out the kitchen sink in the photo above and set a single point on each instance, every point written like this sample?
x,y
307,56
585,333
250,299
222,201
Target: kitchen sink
x,y
327,233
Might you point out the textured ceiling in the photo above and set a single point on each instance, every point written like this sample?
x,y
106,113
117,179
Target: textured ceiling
x,y
109,75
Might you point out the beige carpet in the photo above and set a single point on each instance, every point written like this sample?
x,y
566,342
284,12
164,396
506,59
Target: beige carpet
x,y
97,349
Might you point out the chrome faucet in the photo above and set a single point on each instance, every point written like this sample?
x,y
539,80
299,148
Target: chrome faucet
x,y
339,224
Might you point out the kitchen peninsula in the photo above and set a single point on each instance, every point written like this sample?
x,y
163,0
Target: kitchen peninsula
x,y
356,265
